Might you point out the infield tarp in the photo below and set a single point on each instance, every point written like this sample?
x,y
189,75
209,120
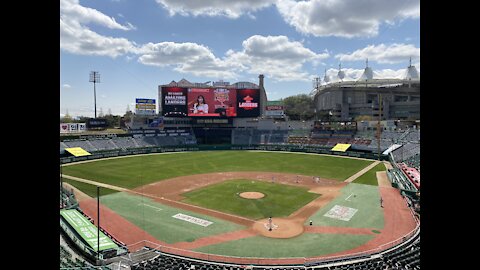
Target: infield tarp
x,y
87,230
342,147
77,151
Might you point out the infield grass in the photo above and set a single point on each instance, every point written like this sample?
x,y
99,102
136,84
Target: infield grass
x,y
134,171
280,200
370,177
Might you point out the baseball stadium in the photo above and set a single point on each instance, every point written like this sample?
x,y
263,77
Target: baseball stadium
x,y
237,185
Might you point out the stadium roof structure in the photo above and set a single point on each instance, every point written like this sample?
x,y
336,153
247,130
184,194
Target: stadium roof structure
x,y
367,73
412,72
185,83
411,76
326,78
340,74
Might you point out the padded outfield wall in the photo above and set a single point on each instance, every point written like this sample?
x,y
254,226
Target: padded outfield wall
x,y
182,148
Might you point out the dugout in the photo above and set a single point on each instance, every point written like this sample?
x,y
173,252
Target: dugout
x,y
82,233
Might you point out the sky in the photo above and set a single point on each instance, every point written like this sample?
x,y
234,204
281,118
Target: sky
x,y
137,45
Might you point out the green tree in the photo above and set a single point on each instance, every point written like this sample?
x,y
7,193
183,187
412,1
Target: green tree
x,y
299,107
364,118
112,120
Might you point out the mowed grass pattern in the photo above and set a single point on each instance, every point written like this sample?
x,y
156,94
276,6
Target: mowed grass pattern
x,y
280,200
370,177
365,198
134,171
305,245
156,218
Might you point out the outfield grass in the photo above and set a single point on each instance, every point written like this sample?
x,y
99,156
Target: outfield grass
x,y
370,177
90,190
305,245
156,218
133,171
365,198
280,200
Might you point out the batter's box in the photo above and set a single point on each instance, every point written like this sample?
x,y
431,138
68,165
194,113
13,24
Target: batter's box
x,y
341,212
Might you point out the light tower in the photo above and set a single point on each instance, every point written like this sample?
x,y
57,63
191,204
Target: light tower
x,y
95,78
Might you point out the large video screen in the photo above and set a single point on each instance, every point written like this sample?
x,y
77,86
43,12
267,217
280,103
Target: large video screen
x,y
210,102
219,102
248,102
174,101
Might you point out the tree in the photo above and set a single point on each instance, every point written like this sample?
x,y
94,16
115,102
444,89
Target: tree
x,y
364,118
299,107
113,121
128,114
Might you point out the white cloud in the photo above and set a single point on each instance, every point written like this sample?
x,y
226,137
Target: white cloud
x,y
275,56
66,86
187,57
76,37
131,26
345,18
383,54
227,8
72,10
79,40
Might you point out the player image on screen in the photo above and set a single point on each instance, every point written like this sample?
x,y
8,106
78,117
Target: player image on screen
x,y
200,106
208,102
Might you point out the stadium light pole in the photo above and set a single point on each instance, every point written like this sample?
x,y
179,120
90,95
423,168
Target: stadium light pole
x,y
95,78
61,184
98,223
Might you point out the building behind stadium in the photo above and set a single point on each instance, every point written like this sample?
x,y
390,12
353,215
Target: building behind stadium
x,y
396,99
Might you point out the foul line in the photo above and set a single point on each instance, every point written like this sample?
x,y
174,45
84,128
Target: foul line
x,y
93,183
361,172
346,199
158,209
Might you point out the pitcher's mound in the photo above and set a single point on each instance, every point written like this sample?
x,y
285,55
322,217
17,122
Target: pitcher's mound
x,y
282,227
252,195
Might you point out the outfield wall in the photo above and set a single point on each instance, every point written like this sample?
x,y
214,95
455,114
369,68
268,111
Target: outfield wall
x,y
183,148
